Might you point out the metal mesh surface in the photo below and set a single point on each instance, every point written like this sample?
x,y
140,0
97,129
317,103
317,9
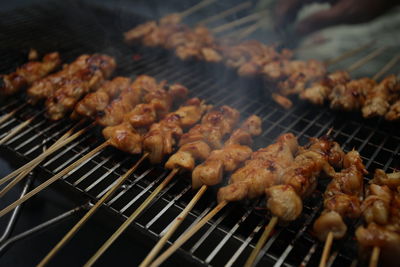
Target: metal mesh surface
x,y
229,238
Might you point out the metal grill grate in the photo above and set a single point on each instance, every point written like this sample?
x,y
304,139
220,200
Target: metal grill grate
x,y
229,238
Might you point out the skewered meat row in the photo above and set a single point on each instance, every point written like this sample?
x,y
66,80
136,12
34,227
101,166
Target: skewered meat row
x,y
248,57
197,144
342,198
29,73
381,210
299,180
128,134
373,99
63,99
262,170
227,159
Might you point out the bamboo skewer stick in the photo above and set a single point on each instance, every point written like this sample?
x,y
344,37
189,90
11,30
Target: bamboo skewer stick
x,y
374,257
195,8
52,179
264,237
348,54
249,30
238,22
131,218
178,220
24,173
44,155
89,214
225,13
182,239
387,67
327,249
5,117
365,59
15,131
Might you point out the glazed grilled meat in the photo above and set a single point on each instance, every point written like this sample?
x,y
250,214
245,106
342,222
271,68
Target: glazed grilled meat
x,y
63,99
263,169
300,178
164,135
202,138
96,102
136,123
319,91
230,157
342,198
29,73
378,100
381,210
214,126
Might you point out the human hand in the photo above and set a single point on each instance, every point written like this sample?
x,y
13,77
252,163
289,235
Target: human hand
x,y
341,12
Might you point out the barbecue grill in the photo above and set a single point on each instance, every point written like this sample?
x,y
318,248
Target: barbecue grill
x,y
229,238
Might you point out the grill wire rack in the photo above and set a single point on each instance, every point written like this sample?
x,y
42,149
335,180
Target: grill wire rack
x,y
229,238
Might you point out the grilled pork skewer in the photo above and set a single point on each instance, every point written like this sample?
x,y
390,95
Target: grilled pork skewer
x,y
194,145
227,159
381,211
342,199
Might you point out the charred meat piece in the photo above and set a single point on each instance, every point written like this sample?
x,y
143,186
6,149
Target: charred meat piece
x,y
230,157
96,102
263,169
99,67
378,100
342,198
300,178
28,73
163,136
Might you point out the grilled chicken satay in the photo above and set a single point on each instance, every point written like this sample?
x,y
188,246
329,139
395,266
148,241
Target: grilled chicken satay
x,y
319,91
131,96
381,210
29,73
352,95
394,112
227,159
45,87
63,99
164,135
378,100
197,144
262,170
342,198
96,102
300,178
128,135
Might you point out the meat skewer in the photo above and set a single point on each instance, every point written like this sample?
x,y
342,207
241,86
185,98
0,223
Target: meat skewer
x,y
284,200
245,182
72,166
381,213
63,89
342,199
194,145
209,173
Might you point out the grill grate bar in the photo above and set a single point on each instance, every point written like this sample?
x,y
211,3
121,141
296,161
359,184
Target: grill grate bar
x,y
168,206
242,247
104,176
129,186
227,236
130,203
210,230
